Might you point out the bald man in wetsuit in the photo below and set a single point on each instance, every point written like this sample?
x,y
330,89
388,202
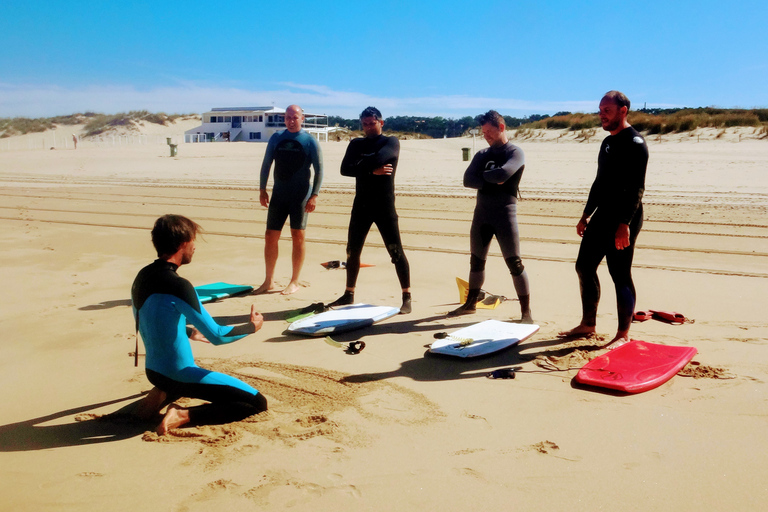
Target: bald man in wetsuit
x,y
612,219
293,151
163,304
372,161
495,172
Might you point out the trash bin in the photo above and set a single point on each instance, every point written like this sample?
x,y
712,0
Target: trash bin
x,y
465,154
174,148
168,140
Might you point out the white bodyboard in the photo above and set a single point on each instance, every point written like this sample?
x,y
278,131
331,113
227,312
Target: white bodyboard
x,y
346,318
483,338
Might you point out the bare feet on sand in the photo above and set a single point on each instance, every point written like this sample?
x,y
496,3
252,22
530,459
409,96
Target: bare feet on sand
x,y
621,338
580,331
527,318
174,418
264,288
291,288
151,404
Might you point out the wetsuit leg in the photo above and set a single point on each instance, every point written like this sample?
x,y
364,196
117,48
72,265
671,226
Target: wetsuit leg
x,y
620,268
359,225
480,236
228,403
277,213
390,233
297,208
597,240
508,236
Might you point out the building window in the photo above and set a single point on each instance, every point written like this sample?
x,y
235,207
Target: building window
x,y
228,119
255,136
261,119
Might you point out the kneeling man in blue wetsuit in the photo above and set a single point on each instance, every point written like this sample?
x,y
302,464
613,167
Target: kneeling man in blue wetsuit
x,y
163,304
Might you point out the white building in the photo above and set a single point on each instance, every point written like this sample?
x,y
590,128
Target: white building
x,y
250,124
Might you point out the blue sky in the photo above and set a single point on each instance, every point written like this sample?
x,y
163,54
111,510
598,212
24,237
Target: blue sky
x,y
446,58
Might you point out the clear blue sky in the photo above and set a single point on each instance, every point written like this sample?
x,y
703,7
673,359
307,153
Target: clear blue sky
x,y
445,58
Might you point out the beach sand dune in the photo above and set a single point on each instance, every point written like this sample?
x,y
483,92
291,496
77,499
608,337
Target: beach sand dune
x,y
390,428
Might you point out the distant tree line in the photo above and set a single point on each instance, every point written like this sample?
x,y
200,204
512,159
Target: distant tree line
x,y
436,127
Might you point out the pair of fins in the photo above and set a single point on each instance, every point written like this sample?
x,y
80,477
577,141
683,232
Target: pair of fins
x,y
669,317
485,300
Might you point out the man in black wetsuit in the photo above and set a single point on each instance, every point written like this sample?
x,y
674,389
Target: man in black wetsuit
x,y
612,218
372,161
495,172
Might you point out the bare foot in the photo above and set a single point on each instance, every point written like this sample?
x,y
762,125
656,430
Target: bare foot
x,y
264,288
621,338
151,404
526,318
580,331
291,288
174,418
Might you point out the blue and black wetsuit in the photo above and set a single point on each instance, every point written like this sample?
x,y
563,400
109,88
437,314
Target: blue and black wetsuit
x,y
615,198
293,154
495,172
163,304
374,203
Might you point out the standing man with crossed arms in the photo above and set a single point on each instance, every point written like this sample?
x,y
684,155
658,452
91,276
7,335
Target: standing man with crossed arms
x,y
612,218
293,150
372,161
495,172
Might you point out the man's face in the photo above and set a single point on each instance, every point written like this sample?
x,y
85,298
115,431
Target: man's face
x,y
188,252
293,119
493,136
371,126
611,116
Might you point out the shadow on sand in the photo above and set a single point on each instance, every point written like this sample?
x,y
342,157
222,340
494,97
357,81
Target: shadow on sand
x,y
32,435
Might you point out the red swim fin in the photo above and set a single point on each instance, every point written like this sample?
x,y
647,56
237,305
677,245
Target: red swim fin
x,y
642,316
670,317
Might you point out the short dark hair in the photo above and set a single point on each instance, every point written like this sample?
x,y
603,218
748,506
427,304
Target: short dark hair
x,y
618,97
493,118
171,231
371,112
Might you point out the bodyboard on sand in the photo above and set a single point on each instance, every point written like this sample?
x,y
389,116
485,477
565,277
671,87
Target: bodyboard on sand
x,y
346,318
216,291
483,338
636,366
489,301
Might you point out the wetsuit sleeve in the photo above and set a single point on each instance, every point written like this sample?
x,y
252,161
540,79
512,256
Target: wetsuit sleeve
x,y
317,164
515,162
356,163
631,194
202,320
473,176
266,165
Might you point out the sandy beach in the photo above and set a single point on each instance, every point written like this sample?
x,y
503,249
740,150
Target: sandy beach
x,y
391,428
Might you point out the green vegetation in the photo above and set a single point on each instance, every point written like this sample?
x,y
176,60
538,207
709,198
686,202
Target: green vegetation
x,y
94,123
650,121
653,121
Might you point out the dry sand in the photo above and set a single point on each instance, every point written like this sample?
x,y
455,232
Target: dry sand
x,y
390,428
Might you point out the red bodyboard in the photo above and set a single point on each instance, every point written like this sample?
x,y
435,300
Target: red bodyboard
x,y
636,366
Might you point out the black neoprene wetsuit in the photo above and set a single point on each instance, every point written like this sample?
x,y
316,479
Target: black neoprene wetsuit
x,y
163,304
495,172
615,198
374,203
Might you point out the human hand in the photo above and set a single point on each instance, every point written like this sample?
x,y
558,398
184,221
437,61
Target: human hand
x,y
582,226
622,237
384,170
264,198
197,336
311,204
